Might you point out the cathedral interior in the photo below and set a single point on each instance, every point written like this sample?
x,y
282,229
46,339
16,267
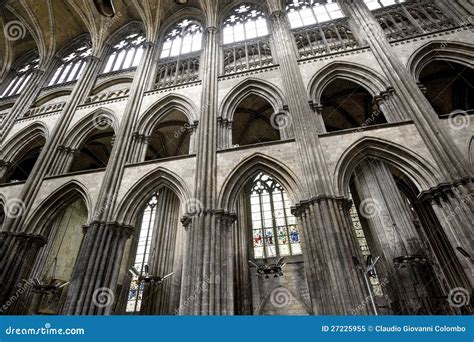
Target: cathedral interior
x,y
229,157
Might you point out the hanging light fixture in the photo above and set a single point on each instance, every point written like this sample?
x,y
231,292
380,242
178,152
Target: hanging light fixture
x,y
269,269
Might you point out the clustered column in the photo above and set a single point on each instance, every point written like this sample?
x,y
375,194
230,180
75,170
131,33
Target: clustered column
x,y
453,168
327,235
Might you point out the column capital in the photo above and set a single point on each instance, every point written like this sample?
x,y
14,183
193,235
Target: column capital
x,y
277,15
211,30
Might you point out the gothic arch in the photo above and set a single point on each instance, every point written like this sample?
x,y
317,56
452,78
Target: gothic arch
x,y
132,202
224,13
456,52
353,72
110,82
161,108
418,169
251,86
134,26
250,166
37,223
77,134
14,147
48,97
72,44
184,13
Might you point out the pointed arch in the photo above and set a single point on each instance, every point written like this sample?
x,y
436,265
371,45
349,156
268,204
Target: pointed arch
x,y
134,199
160,109
110,82
248,168
183,13
353,72
83,38
226,10
17,145
134,26
251,86
50,96
456,52
422,172
96,119
39,221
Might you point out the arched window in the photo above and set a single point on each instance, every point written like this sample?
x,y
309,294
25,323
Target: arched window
x,y
71,66
310,12
126,53
274,228
245,22
20,79
179,59
186,37
135,294
374,4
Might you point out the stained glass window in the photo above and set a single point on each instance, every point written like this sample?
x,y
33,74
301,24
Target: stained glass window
x,y
374,4
20,79
310,12
245,22
186,37
135,293
71,66
274,228
126,53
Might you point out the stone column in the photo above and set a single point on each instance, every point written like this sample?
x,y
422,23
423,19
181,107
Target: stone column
x,y
192,137
13,225
26,98
207,271
94,277
328,237
453,207
156,297
104,235
454,170
5,168
318,111
393,236
17,252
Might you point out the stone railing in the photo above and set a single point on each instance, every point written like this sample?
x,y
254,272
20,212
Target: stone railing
x,y
184,69
246,55
321,39
49,108
412,19
113,94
